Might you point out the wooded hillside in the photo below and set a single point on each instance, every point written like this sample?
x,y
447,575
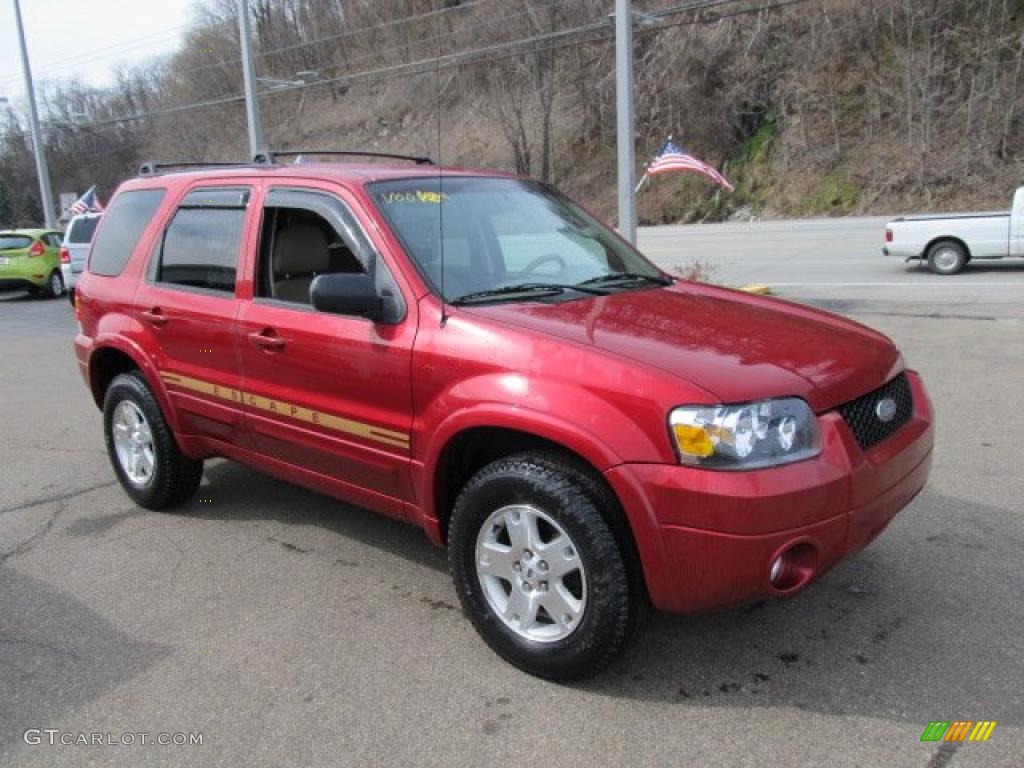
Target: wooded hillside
x,y
819,107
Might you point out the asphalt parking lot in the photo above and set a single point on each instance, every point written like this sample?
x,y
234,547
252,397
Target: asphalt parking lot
x,y
290,629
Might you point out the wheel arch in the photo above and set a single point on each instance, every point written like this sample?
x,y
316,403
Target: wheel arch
x,y
945,239
471,448
115,356
464,432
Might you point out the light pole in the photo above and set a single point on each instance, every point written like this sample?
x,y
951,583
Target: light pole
x,y
626,146
42,171
252,104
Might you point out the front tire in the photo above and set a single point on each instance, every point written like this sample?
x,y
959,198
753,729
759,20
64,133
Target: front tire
x,y
538,568
146,459
946,257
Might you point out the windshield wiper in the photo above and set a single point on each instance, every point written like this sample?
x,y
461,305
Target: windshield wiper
x,y
552,289
627,277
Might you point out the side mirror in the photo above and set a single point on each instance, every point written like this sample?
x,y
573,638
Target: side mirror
x,y
343,293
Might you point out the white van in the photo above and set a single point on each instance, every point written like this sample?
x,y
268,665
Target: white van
x,y
74,251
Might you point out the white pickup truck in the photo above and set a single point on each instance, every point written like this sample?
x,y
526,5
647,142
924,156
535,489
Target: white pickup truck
x,y
949,241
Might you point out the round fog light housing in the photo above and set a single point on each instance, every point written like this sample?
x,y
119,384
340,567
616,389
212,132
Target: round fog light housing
x,y
794,566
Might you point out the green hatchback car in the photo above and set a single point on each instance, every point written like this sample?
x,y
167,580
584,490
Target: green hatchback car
x,y
30,261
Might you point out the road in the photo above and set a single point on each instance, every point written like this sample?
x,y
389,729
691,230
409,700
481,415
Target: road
x,y
292,630
826,258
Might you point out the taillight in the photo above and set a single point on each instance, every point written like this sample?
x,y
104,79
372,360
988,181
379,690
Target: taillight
x,y
37,249
65,256
888,235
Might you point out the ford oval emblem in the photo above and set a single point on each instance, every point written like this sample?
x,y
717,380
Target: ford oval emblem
x,y
885,410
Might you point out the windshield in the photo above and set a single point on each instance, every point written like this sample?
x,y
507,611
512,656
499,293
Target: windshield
x,y
502,233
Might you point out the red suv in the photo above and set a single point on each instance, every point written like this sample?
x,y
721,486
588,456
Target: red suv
x,y
477,355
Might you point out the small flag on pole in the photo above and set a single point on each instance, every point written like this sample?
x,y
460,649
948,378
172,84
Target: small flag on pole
x,y
87,203
671,158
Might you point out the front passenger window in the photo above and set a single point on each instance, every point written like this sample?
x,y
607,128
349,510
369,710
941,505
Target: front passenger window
x,y
296,246
306,233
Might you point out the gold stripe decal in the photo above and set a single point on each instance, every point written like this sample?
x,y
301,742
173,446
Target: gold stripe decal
x,y
337,423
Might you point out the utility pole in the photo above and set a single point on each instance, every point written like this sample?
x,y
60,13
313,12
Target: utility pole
x,y
624,118
252,104
42,171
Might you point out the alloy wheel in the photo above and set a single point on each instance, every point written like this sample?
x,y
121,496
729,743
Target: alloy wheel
x,y
133,442
531,573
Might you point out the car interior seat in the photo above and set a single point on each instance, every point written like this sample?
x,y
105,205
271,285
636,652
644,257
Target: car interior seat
x,y
301,253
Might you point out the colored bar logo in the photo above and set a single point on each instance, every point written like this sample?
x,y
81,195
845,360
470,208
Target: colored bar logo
x,y
958,730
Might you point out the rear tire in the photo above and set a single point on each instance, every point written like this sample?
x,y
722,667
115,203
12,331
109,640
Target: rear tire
x,y
946,257
55,285
538,569
146,459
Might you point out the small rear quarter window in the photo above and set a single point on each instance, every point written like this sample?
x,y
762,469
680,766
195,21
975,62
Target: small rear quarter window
x,y
123,224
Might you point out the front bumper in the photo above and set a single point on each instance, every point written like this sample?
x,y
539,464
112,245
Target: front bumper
x,y
708,539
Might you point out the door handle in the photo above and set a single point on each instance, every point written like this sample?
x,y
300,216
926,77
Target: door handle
x,y
267,340
155,316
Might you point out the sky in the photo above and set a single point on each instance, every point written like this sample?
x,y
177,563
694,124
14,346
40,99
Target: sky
x,y
70,37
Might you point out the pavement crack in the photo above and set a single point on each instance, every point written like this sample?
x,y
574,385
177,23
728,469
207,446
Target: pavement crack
x,y
50,449
31,541
57,498
60,500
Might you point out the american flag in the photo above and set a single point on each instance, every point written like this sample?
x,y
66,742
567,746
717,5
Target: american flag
x,y
673,158
89,202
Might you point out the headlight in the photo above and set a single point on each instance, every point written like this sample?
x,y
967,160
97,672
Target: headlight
x,y
748,436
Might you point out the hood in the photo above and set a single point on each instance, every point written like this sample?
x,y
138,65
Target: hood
x,y
736,346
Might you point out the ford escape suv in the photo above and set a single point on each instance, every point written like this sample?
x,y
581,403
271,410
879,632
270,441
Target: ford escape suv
x,y
475,354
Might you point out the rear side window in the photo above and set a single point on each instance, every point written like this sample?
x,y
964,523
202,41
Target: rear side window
x,y
201,244
81,230
126,218
12,242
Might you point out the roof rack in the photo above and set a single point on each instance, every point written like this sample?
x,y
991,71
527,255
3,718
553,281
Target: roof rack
x,y
151,169
270,156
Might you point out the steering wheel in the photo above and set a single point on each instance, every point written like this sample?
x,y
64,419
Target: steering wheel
x,y
541,260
